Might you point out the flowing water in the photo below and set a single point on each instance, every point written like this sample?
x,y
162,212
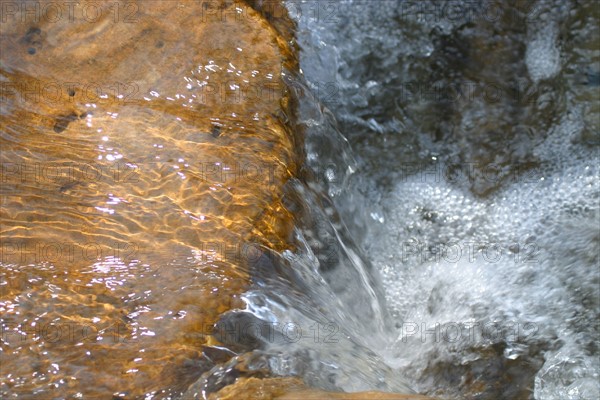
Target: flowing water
x,y
447,238
139,257
474,194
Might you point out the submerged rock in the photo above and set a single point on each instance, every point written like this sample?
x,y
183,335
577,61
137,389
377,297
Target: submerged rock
x,y
146,148
135,148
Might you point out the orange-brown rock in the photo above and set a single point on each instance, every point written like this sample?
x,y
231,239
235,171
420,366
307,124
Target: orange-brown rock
x,y
124,232
145,147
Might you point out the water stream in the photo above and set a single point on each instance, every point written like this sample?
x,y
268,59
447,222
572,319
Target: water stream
x,y
467,191
447,238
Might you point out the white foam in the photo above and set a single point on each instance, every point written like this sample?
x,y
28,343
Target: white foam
x,y
525,255
542,55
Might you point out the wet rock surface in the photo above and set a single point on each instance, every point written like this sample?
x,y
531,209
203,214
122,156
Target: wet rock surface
x,y
147,150
115,199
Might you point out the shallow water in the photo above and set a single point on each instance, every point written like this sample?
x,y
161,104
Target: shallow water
x,y
445,221
157,234
134,200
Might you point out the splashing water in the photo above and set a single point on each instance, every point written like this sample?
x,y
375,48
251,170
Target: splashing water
x,y
475,130
454,251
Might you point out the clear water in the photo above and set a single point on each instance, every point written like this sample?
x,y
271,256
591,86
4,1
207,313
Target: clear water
x,y
447,232
471,188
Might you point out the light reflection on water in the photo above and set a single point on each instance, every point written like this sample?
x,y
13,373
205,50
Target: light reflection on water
x,y
150,197
155,236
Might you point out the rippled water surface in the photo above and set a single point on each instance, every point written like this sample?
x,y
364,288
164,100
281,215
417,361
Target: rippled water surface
x,y
415,208
158,229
